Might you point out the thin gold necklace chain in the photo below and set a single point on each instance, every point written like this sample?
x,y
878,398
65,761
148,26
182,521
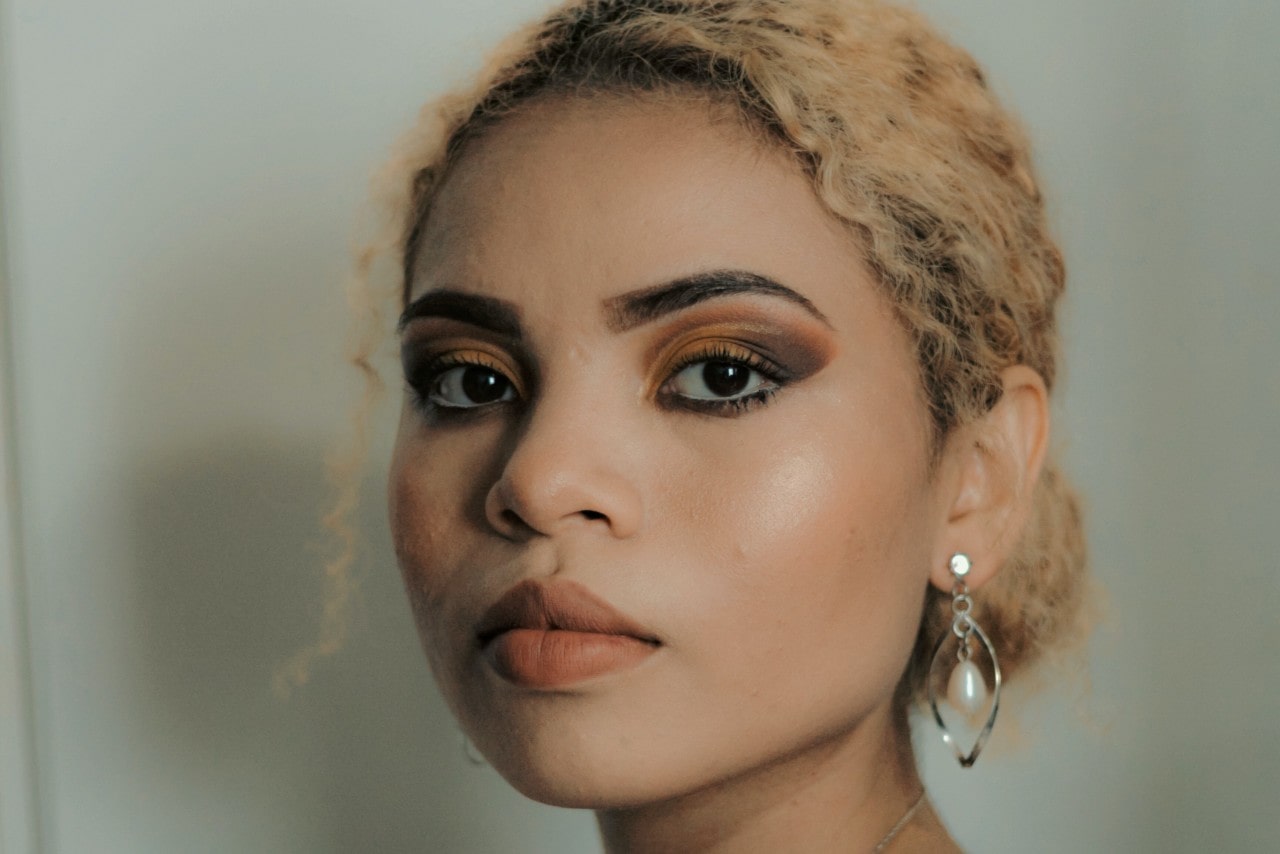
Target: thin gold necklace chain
x,y
902,822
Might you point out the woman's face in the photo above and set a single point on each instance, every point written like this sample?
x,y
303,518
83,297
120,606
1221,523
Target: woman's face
x,y
661,492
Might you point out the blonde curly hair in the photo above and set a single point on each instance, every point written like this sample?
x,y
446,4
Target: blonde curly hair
x,y
905,143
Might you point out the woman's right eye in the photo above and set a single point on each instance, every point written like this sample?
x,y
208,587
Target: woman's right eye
x,y
468,387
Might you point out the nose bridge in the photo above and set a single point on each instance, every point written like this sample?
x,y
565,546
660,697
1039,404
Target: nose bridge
x,y
566,464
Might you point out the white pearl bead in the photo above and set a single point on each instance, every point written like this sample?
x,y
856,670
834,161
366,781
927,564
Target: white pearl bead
x,y
966,689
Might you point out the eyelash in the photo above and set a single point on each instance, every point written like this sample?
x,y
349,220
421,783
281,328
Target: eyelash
x,y
421,380
722,352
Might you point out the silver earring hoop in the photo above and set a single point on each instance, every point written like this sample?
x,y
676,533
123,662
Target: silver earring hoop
x,y
966,686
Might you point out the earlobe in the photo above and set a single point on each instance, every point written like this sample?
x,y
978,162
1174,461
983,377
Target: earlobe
x,y
995,463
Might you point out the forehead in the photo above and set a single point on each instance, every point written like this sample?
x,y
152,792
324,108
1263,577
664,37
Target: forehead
x,y
605,195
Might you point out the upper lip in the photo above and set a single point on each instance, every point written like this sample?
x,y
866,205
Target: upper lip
x,y
564,605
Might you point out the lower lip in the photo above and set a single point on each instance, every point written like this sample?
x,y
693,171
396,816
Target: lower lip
x,y
554,658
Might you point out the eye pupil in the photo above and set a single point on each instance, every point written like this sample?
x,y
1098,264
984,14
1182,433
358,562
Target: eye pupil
x,y
482,385
725,379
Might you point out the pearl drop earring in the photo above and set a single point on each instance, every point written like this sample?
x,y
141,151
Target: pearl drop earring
x,y
966,686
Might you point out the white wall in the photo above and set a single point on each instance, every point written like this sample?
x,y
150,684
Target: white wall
x,y
179,180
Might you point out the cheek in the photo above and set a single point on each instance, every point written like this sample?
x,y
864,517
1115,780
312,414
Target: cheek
x,y
427,503
418,515
815,567
436,487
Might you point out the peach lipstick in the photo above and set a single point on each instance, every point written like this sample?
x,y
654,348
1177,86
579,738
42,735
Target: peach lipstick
x,y
549,635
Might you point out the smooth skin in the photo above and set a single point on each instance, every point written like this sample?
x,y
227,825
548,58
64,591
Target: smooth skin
x,y
747,475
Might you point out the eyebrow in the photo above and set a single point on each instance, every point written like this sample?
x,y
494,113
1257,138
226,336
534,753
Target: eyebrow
x,y
633,309
622,313
486,312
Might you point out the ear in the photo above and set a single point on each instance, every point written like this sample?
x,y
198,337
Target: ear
x,y
991,467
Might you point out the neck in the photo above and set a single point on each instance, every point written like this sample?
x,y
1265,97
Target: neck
x,y
841,794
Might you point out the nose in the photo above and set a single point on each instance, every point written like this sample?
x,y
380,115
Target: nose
x,y
567,469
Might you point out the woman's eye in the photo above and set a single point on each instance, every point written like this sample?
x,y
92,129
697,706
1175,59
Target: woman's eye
x,y
720,380
469,386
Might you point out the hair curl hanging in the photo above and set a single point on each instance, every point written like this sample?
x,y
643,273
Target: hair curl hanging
x,y
903,141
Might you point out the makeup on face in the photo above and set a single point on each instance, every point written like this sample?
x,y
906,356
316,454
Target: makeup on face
x,y
545,635
716,345
660,491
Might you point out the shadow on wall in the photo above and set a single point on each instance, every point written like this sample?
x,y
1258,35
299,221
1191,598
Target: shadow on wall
x,y
228,585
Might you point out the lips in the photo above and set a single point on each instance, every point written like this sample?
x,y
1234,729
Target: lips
x,y
544,635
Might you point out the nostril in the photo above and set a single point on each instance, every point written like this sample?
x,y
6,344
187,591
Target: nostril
x,y
513,519
593,514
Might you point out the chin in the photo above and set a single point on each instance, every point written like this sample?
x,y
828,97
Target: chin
x,y
582,782
570,794
580,766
